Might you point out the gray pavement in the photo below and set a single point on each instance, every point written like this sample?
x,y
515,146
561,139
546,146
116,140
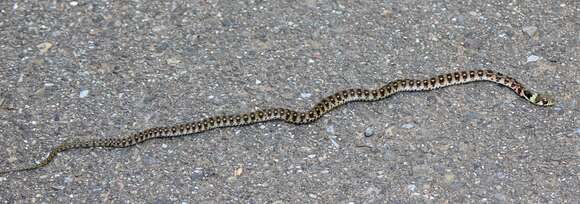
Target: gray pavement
x,y
96,69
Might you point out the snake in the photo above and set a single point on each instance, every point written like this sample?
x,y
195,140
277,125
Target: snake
x,y
324,106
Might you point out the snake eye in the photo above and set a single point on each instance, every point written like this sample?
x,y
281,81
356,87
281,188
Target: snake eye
x,y
550,102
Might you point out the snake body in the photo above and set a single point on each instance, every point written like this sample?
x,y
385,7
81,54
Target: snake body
x,y
295,117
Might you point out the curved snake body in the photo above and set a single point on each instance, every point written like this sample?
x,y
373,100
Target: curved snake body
x,y
324,106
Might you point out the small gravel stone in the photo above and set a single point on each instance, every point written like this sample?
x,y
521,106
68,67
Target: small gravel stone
x,y
334,143
459,19
411,188
197,175
330,130
449,178
530,30
68,179
173,61
408,126
305,95
369,132
12,159
388,154
159,28
578,131
238,171
472,115
533,58
258,82
84,93
44,47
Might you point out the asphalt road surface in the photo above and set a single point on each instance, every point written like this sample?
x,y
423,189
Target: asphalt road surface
x,y
98,69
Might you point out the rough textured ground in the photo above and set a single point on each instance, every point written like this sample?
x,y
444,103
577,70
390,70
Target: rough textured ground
x,y
92,69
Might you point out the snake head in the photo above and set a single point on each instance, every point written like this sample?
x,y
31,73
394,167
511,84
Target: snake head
x,y
542,100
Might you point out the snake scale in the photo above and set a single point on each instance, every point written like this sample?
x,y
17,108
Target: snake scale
x,y
295,117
